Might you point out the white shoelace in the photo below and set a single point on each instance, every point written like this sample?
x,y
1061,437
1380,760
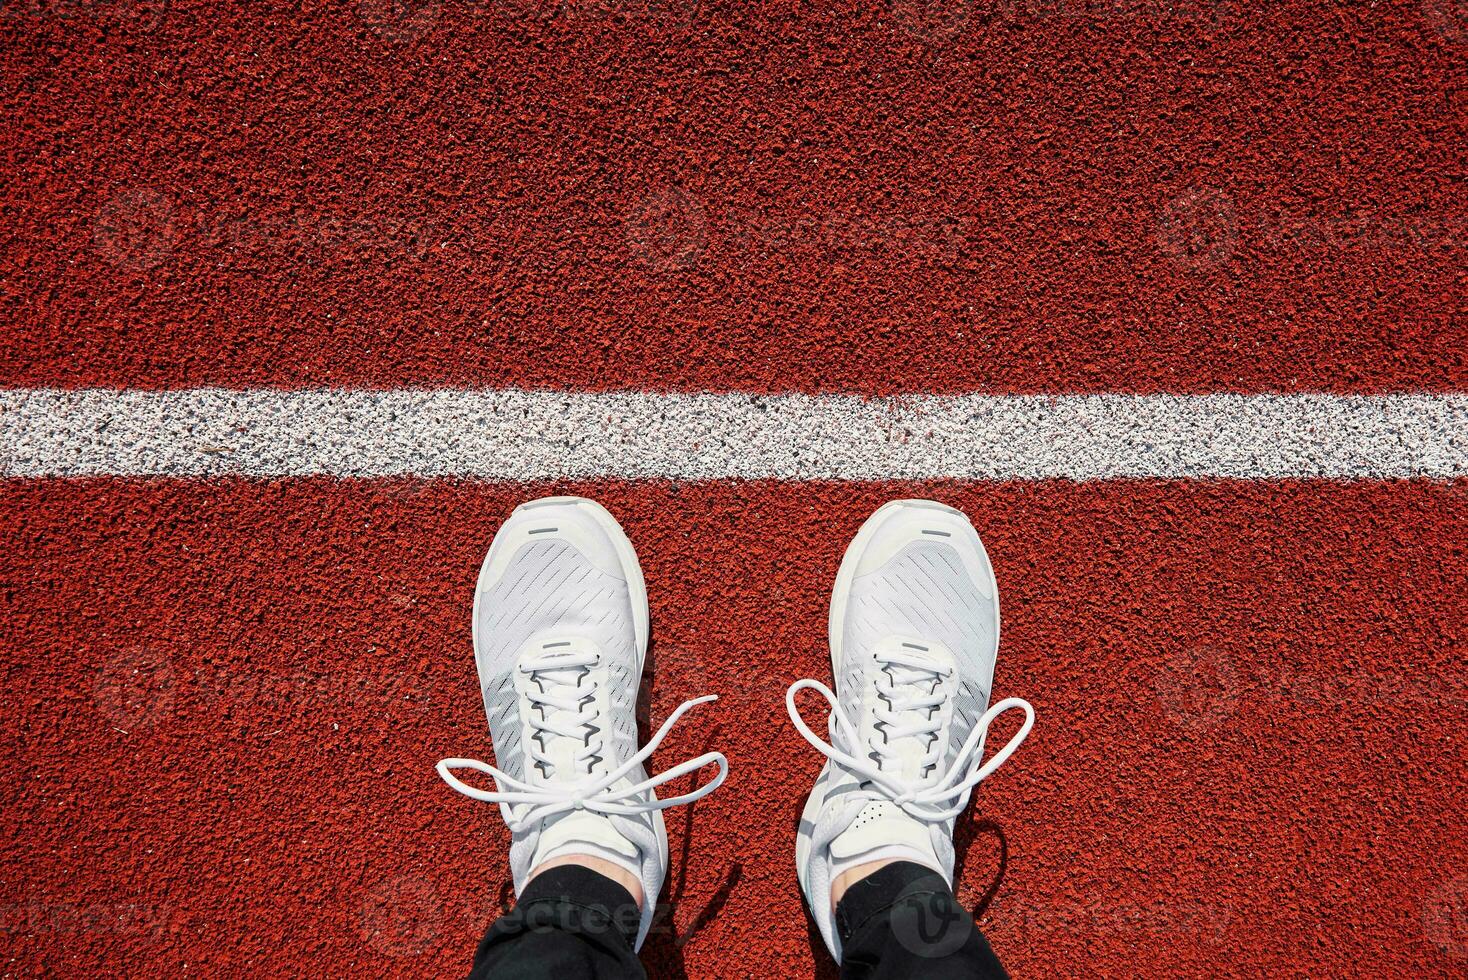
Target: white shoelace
x,y
921,802
524,804
561,707
909,712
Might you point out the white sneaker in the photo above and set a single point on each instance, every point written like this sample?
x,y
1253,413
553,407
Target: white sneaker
x,y
914,632
560,634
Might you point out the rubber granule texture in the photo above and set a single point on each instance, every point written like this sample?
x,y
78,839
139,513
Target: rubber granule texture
x,y
1035,196
224,697
227,698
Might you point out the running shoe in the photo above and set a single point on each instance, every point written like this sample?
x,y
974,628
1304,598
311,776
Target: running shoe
x,y
914,633
560,635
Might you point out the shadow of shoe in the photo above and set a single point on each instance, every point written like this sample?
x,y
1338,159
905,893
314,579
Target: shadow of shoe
x,y
964,838
662,953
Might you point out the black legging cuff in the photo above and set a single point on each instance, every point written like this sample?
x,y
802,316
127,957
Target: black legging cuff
x,y
570,888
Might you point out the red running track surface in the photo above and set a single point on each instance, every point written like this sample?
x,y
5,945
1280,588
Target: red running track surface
x,y
999,195
225,701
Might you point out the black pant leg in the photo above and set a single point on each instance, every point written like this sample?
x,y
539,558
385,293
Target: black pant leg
x,y
904,921
570,923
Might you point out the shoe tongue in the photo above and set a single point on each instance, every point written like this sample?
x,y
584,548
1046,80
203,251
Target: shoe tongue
x,y
582,832
882,825
904,757
561,749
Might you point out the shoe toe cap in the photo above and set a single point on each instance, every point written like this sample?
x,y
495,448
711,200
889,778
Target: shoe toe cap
x,y
567,520
905,523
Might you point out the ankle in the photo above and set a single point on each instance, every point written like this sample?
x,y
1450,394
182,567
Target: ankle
x,y
603,867
852,875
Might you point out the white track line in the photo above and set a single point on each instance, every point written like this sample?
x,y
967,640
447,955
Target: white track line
x,y
536,435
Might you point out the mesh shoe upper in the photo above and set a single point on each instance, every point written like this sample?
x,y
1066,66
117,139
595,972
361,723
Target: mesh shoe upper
x,y
550,591
560,630
923,592
914,619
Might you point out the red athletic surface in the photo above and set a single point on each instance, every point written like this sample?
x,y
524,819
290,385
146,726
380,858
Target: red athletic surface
x,y
225,700
1012,195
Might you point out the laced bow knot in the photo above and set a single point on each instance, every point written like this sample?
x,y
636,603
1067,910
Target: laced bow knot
x,y
525,803
949,794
